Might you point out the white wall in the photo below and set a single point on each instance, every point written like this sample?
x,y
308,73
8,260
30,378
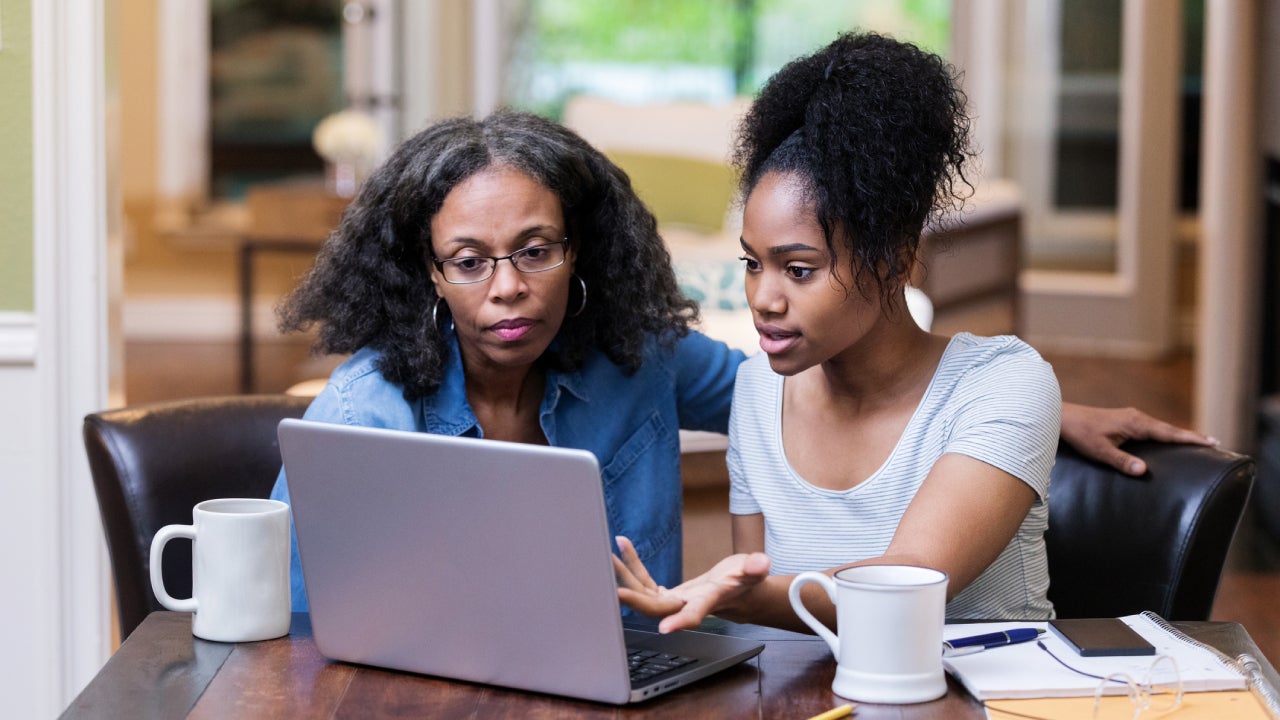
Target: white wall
x,y
54,613
1229,287
29,672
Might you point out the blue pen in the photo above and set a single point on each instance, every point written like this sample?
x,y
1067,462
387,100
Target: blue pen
x,y
978,643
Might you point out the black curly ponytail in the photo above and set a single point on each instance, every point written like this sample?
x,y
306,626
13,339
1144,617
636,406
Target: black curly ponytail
x,y
877,134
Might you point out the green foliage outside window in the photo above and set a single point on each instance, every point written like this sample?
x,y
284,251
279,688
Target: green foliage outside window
x,y
658,50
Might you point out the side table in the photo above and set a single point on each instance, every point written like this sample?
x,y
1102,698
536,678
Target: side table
x,y
291,216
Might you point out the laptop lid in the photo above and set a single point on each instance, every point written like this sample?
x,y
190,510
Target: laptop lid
x,y
471,559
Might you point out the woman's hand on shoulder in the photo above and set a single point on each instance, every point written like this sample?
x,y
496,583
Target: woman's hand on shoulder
x,y
1097,433
688,604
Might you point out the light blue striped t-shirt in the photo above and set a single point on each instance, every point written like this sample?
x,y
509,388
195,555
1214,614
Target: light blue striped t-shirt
x,y
993,399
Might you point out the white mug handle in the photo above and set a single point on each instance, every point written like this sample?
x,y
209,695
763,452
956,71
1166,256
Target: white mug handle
x,y
797,604
167,533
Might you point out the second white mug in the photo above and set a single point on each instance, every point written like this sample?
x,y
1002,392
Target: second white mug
x,y
890,618
239,569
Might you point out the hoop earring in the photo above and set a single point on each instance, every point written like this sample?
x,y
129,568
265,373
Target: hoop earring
x,y
583,306
435,312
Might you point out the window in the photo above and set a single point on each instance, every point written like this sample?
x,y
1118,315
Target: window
x,y
275,70
709,50
1065,136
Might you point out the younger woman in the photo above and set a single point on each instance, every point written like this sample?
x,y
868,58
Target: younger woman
x,y
856,437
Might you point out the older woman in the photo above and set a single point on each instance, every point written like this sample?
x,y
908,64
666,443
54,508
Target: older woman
x,y
499,278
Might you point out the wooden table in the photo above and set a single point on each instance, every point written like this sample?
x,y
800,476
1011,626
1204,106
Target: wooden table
x,y
161,671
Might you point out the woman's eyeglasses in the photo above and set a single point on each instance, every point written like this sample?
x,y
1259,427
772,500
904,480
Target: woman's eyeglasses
x,y
478,268
1159,691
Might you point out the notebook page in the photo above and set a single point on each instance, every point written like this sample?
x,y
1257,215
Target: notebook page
x,y
1028,670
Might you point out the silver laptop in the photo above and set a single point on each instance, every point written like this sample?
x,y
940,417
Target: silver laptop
x,y
474,560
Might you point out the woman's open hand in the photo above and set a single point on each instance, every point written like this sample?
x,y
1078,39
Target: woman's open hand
x,y
686,605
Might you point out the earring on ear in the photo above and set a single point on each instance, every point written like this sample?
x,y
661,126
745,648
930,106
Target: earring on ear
x,y
435,313
583,306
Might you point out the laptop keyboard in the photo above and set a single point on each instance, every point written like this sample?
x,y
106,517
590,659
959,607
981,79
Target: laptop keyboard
x,y
648,664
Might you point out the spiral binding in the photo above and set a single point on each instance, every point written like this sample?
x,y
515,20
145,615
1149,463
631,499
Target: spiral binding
x,y
1245,664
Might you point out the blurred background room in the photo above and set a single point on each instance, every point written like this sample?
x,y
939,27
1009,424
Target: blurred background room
x,y
171,167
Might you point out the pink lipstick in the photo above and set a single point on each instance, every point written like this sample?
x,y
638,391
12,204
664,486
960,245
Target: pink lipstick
x,y
512,329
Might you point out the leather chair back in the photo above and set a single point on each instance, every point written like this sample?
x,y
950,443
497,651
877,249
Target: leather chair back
x,y
1119,545
152,463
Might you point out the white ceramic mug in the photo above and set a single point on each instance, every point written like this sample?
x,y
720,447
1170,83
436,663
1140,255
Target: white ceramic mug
x,y
890,620
239,569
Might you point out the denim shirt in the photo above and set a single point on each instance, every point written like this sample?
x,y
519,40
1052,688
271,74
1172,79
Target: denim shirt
x,y
630,423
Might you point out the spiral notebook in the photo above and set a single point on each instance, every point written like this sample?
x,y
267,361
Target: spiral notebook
x,y
1039,669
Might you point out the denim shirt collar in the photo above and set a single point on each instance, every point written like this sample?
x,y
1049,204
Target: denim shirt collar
x,y
448,412
573,382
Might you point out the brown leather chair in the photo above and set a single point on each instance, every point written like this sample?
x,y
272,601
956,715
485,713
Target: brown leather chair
x,y
1119,545
152,463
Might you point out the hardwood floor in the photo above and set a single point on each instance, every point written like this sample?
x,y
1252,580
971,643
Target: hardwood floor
x,y
160,371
